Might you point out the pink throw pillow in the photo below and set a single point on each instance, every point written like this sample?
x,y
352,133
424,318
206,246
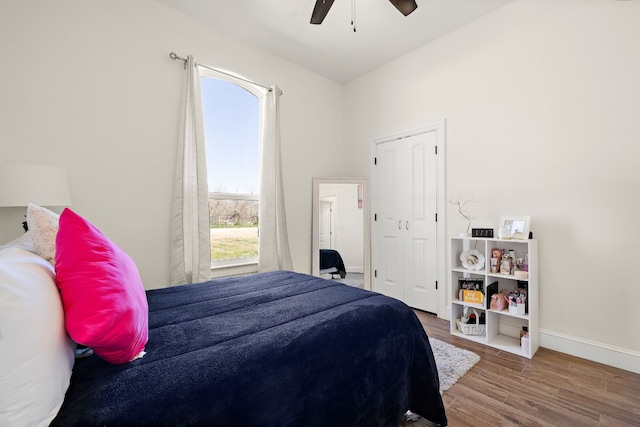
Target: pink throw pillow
x,y
103,296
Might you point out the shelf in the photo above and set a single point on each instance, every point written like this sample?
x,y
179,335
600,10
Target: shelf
x,y
506,312
482,339
502,327
503,276
509,344
470,304
460,269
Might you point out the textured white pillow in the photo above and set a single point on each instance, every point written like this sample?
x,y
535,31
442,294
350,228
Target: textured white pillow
x,y
43,225
23,242
37,354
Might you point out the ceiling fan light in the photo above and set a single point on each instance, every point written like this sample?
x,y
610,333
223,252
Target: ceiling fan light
x,y
405,6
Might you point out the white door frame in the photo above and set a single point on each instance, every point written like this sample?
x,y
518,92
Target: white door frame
x,y
444,311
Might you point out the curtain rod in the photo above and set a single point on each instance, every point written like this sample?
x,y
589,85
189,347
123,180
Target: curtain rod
x,y
175,57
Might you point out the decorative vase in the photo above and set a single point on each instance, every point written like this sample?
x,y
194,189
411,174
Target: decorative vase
x,y
472,259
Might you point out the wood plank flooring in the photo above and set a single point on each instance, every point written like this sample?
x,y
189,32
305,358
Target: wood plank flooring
x,y
552,389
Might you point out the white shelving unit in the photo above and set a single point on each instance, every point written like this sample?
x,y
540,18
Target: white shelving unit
x,y
502,327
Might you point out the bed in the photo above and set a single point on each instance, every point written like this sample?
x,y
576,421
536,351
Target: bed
x,y
270,349
331,263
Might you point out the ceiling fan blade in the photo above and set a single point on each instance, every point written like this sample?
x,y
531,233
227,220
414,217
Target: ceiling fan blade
x,y
405,6
320,10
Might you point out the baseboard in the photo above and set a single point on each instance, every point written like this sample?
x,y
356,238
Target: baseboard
x,y
617,357
609,355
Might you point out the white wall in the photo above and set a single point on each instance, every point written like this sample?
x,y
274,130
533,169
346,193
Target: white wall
x,y
542,102
88,85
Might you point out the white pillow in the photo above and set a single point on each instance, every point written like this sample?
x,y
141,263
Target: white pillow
x,y
43,225
23,242
37,354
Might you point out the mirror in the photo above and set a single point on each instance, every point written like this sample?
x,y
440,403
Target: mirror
x,y
341,228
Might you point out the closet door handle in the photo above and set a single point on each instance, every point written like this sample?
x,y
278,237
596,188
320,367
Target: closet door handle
x,y
407,225
400,225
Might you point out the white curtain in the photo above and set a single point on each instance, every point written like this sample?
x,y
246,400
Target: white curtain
x,y
190,238
273,249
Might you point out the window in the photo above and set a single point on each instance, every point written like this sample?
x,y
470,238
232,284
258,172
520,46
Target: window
x,y
231,122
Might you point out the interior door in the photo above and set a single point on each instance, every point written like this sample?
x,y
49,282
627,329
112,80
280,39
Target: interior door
x,y
388,235
420,223
404,251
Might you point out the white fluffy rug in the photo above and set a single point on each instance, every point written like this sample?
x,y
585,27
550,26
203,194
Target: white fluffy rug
x,y
452,362
352,279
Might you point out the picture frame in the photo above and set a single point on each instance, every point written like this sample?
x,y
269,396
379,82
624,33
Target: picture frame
x,y
518,226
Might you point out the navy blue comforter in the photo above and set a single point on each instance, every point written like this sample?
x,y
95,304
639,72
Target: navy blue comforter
x,y
271,349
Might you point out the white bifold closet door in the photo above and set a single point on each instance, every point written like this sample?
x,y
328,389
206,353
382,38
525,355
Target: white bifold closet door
x,y
404,227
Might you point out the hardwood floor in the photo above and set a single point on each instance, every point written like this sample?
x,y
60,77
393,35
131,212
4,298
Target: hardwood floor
x,y
552,389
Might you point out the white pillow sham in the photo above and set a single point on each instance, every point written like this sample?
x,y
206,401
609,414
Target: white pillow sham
x,y
23,242
37,354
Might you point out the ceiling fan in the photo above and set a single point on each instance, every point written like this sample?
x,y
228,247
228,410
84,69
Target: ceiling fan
x,y
322,7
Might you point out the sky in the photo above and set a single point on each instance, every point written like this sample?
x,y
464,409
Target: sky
x,y
231,126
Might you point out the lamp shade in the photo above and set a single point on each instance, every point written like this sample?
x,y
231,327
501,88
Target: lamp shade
x,y
40,185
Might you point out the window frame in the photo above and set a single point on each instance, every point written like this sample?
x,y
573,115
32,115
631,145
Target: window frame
x,y
238,265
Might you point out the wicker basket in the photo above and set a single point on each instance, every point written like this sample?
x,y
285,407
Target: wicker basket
x,y
471,328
